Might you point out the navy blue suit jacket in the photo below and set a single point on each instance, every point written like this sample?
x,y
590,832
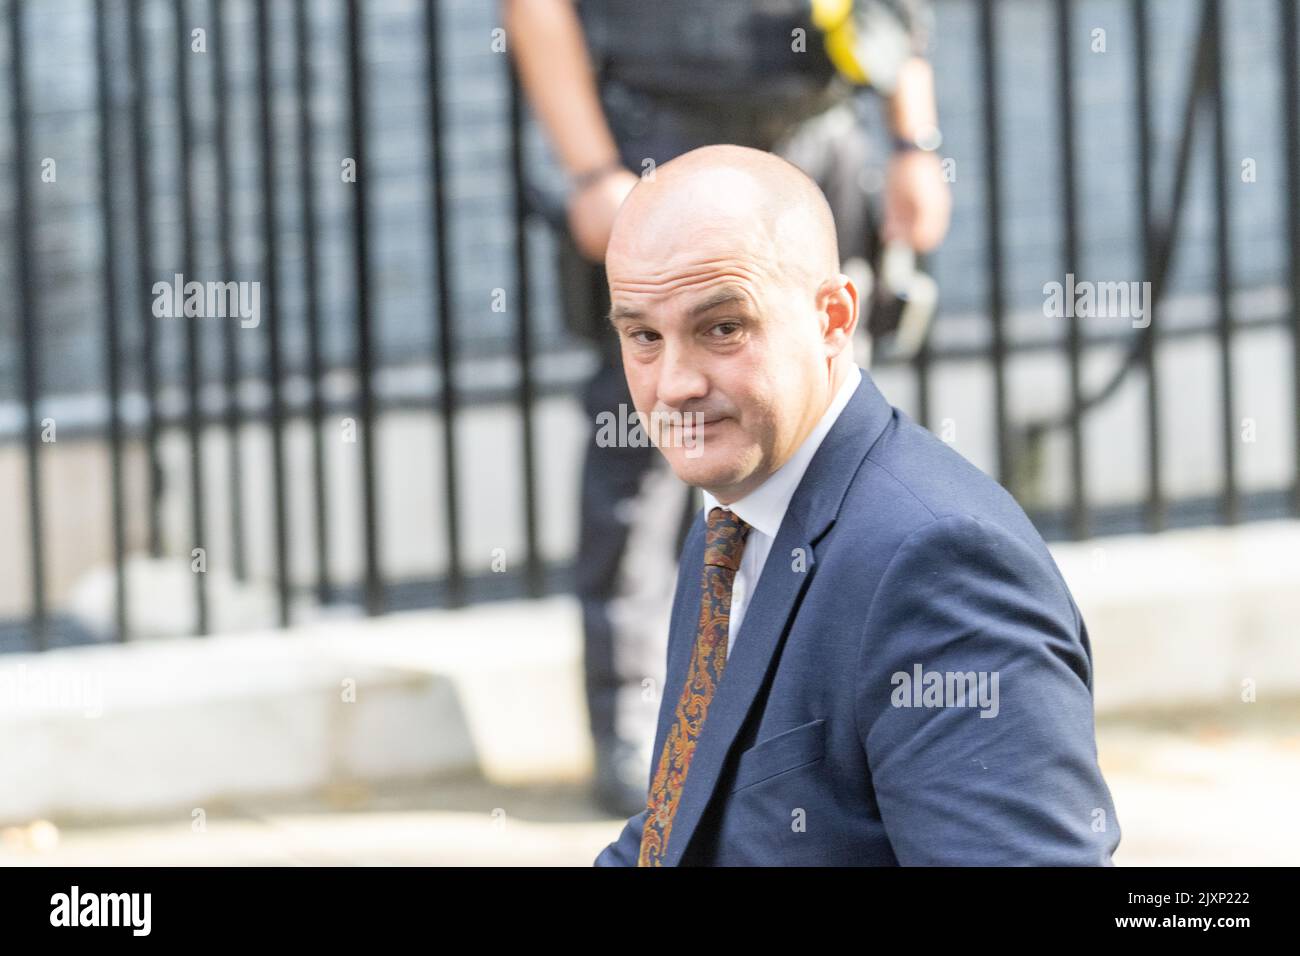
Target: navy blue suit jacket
x,y
896,557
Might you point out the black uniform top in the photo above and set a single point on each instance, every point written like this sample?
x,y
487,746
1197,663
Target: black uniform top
x,y
744,53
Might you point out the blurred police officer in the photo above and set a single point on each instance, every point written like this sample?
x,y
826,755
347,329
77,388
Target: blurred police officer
x,y
621,86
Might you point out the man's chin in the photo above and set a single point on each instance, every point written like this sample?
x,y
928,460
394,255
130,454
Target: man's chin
x,y
702,469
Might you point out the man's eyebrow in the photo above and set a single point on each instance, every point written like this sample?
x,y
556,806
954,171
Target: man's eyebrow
x,y
625,312
725,296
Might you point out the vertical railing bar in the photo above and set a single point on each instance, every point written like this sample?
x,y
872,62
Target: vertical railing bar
x,y
270,272
1230,504
992,172
523,338
923,361
365,397
1070,250
311,297
112,371
233,417
138,55
1290,62
28,321
445,358
194,420
1202,77
1155,504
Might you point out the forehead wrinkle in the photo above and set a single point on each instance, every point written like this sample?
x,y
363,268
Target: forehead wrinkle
x,y
742,277
747,269
720,279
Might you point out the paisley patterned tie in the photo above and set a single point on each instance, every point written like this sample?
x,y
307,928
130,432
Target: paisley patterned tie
x,y
724,542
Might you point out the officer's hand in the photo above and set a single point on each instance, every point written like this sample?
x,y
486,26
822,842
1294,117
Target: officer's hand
x,y
917,200
591,212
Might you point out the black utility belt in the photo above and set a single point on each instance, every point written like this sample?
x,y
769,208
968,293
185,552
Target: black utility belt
x,y
732,115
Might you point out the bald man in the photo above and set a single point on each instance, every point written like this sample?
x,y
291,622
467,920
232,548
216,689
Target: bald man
x,y
872,657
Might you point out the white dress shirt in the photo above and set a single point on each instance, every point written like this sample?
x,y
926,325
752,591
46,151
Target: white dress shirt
x,y
763,509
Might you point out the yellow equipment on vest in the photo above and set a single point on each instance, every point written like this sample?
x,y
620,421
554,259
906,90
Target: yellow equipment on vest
x,y
865,41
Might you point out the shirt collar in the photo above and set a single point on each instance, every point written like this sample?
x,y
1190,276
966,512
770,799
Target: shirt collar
x,y
764,508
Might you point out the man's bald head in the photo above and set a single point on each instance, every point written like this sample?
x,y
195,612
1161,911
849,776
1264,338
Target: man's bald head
x,y
732,314
715,191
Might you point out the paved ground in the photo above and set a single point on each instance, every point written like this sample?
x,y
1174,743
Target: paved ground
x,y
1209,787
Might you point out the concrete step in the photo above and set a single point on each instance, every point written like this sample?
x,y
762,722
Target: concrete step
x,y
94,732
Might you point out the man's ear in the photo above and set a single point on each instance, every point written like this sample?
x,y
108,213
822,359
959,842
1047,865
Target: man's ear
x,y
838,303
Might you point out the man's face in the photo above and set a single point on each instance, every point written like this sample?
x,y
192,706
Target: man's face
x,y
714,331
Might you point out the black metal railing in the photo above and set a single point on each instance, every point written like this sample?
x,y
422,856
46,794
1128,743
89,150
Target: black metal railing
x,y
1019,443
126,53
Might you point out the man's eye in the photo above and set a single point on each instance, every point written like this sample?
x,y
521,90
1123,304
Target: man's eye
x,y
633,336
726,327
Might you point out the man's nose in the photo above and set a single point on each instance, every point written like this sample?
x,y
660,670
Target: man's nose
x,y
680,379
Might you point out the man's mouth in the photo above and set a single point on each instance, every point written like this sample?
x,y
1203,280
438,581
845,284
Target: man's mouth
x,y
698,431
701,423
690,430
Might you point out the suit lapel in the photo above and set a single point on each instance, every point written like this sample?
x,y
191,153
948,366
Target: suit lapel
x,y
783,580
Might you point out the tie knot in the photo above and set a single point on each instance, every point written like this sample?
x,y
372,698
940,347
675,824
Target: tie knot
x,y
724,539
